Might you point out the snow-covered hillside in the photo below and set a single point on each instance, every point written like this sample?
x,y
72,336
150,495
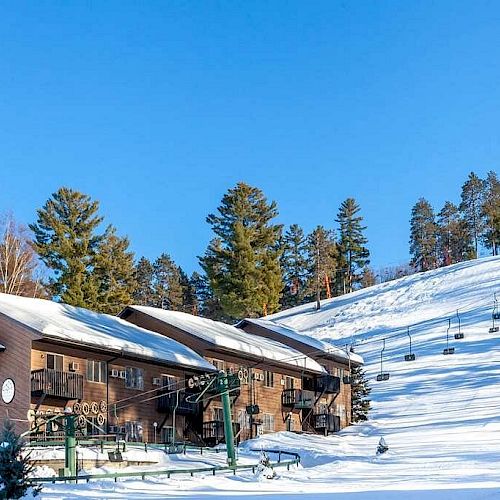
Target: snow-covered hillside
x,y
440,415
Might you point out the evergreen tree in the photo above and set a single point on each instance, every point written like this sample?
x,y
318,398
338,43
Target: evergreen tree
x,y
322,267
144,293
242,261
189,298
360,404
208,305
452,240
472,208
294,266
491,213
351,245
423,236
66,241
15,466
167,283
113,273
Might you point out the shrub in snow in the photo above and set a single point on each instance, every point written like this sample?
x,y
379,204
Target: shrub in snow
x,y
14,465
382,447
265,469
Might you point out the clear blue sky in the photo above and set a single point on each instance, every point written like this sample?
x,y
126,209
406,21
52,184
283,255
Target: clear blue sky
x,y
157,108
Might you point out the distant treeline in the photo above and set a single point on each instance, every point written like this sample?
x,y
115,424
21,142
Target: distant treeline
x,y
251,267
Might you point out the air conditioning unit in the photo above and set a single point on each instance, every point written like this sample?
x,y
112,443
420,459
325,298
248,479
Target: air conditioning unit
x,y
156,381
123,374
255,376
114,373
123,429
261,377
260,430
74,367
282,381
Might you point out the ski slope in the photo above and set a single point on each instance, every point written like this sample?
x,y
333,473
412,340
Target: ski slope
x,y
440,415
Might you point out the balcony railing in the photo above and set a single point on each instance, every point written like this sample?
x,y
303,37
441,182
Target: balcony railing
x,y
213,431
67,385
328,384
326,422
297,399
168,402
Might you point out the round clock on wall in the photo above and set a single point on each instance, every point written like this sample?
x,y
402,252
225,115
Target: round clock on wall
x,y
8,390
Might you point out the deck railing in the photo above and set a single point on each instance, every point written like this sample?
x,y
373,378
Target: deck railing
x,y
297,398
67,385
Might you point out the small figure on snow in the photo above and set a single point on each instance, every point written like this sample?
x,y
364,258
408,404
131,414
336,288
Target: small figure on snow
x,y
265,469
382,446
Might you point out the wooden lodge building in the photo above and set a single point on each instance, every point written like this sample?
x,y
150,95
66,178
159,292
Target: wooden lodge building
x,y
281,387
58,356
134,376
335,361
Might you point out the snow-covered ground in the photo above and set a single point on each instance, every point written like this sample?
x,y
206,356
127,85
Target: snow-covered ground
x,y
440,415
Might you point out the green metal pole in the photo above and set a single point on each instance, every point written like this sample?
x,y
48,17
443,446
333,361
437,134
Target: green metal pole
x,y
228,424
70,445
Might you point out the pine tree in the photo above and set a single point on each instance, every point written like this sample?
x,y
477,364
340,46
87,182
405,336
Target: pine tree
x,y
242,261
352,249
491,213
15,466
208,305
360,404
472,208
452,241
66,241
294,266
189,298
143,293
423,236
167,283
322,264
113,273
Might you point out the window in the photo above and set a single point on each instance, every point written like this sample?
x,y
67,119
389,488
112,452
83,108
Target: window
x,y
244,419
218,414
169,382
219,364
133,431
288,382
96,371
268,422
55,362
134,378
268,379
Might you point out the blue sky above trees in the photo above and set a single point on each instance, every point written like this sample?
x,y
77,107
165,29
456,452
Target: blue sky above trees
x,y
157,108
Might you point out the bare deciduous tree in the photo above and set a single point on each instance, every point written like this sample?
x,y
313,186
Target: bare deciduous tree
x,y
20,273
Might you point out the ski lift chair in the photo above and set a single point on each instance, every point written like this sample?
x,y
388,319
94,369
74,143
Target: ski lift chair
x,y
382,376
410,356
448,350
459,335
495,315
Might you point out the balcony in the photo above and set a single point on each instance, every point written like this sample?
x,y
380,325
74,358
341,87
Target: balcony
x,y
328,384
168,402
326,422
213,431
57,384
297,399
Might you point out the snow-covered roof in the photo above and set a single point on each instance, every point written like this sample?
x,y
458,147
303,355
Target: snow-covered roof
x,y
319,346
229,337
81,326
